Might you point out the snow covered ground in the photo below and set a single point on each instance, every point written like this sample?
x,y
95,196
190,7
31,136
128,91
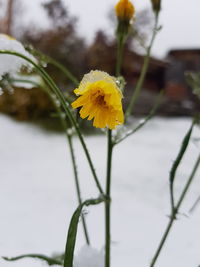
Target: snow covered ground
x,y
37,195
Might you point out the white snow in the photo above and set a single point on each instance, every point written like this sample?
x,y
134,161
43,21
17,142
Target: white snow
x,y
89,257
10,64
33,80
37,195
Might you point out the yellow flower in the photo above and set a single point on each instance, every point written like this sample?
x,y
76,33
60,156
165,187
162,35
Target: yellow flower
x,y
100,99
124,10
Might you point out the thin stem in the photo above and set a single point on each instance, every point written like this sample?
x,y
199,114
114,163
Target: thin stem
x,y
143,71
164,237
120,45
73,158
64,70
188,183
171,193
177,162
143,122
194,206
57,64
108,203
48,260
36,84
120,48
69,139
13,80
175,212
73,227
65,106
73,122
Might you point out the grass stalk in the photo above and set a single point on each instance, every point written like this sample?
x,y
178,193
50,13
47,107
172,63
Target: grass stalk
x,y
143,73
175,212
69,139
65,106
108,203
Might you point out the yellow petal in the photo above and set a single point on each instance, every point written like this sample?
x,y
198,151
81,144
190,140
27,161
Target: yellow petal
x,y
100,99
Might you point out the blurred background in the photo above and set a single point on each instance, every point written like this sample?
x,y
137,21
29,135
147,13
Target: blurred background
x,y
37,192
81,35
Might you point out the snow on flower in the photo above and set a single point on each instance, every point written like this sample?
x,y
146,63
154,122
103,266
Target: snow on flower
x,y
10,64
89,257
100,99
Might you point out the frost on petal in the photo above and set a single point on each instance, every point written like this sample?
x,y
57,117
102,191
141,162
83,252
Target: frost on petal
x,y
94,76
10,64
89,257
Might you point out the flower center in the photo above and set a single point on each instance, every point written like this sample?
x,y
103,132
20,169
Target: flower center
x,y
100,100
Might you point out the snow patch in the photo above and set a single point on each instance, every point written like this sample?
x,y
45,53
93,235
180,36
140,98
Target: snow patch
x,y
10,64
89,257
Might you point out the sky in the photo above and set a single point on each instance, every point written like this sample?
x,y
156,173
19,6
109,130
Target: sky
x,y
180,22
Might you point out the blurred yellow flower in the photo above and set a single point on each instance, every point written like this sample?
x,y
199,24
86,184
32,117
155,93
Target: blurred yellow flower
x,y
100,99
124,10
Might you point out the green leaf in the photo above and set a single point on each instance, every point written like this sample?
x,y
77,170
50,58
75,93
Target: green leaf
x,y
177,161
48,260
72,231
180,155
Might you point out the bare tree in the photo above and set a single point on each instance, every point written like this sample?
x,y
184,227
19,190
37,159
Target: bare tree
x,y
6,21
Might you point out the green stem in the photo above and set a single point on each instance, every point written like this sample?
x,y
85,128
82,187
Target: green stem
x,y
108,203
13,80
191,210
64,70
177,162
65,106
143,72
120,45
48,260
73,227
141,124
57,64
120,48
73,158
69,139
175,212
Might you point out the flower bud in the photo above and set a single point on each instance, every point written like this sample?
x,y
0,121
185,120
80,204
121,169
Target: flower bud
x,y
124,10
156,5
